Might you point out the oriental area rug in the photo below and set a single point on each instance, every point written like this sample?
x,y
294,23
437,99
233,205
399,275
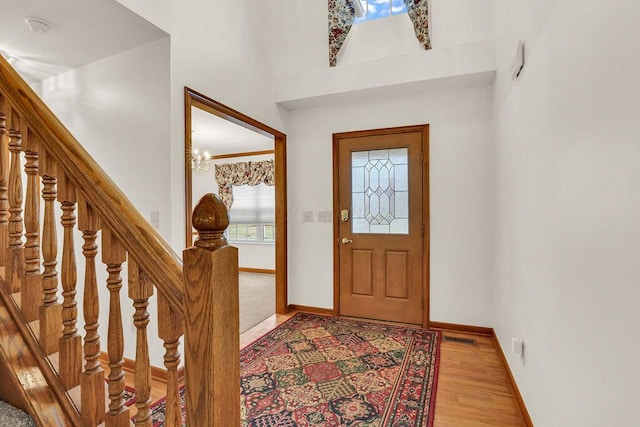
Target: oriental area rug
x,y
328,371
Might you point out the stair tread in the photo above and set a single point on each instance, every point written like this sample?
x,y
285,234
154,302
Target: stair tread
x,y
14,350
54,360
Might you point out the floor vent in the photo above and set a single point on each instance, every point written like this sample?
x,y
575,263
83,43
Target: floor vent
x,y
460,340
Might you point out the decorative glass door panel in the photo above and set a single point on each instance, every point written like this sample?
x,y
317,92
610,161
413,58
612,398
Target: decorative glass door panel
x,y
380,191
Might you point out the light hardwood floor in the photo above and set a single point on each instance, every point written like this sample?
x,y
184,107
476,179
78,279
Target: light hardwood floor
x,y
473,389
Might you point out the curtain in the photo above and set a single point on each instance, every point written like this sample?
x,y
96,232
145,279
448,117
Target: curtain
x,y
243,173
341,16
419,14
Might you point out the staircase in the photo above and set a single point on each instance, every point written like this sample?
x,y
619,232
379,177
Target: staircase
x,y
11,416
46,366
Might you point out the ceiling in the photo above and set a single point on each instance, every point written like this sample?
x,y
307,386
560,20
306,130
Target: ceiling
x,y
85,31
219,136
82,31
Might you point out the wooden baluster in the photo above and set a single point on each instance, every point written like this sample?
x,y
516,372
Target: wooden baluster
x,y
15,263
70,342
92,379
51,309
170,330
4,183
113,255
212,331
31,292
140,290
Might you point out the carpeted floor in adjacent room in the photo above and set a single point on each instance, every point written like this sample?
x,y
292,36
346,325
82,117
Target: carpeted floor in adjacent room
x,y
14,417
257,298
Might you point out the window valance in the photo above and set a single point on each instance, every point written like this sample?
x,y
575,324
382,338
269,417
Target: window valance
x,y
342,14
242,173
419,13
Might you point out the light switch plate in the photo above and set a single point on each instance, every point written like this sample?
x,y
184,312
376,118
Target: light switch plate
x,y
307,216
517,345
324,216
154,219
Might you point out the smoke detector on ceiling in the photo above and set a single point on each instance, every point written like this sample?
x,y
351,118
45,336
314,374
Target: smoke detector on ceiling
x,y
38,25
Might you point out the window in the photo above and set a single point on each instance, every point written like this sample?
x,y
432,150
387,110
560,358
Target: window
x,y
375,9
344,13
258,233
252,215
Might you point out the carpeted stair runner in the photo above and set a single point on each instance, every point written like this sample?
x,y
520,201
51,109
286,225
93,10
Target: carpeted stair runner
x,y
14,417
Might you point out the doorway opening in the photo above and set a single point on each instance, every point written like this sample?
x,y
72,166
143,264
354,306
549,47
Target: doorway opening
x,y
243,161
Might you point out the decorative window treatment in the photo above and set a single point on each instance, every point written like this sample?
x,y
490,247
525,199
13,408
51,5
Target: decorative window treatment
x,y
243,173
253,204
419,13
341,16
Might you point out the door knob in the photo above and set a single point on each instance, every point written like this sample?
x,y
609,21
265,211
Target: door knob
x,y
345,241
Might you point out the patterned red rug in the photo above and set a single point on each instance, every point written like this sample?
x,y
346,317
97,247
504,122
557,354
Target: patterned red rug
x,y
328,371
129,396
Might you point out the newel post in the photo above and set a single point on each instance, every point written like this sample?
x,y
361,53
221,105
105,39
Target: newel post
x,y
211,316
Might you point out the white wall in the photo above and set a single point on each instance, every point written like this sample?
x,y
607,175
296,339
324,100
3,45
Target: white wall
x,y
118,108
217,48
300,35
461,132
203,182
452,22
233,52
256,255
381,38
568,228
378,53
461,175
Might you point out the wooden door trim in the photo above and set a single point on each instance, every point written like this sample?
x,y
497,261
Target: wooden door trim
x,y
245,154
424,129
203,102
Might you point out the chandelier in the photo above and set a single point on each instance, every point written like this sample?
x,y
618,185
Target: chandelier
x,y
200,161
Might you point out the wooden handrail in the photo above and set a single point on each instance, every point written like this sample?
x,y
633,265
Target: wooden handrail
x,y
199,301
113,207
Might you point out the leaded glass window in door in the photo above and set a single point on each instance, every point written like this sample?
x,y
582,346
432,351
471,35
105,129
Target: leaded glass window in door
x,y
380,191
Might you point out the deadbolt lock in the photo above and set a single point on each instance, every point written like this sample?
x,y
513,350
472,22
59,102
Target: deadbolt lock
x,y
344,215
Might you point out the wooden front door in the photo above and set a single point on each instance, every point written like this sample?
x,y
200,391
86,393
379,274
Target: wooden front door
x,y
381,191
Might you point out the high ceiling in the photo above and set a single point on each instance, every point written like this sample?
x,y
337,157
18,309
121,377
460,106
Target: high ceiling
x,y
85,31
82,31
219,136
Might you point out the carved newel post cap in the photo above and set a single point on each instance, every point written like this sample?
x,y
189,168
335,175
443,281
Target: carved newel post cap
x,y
210,219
